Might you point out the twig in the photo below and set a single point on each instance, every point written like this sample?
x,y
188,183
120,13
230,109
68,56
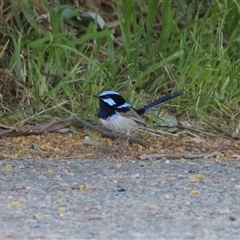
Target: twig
x,y
197,130
2,179
12,189
2,71
79,121
157,132
179,156
43,111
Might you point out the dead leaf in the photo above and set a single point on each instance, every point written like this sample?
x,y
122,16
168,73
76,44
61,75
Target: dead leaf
x,y
54,125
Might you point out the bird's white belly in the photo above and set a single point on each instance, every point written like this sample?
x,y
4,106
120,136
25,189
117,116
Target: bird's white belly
x,y
119,123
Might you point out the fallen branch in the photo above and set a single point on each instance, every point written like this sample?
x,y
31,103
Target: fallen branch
x,y
55,124
79,121
179,156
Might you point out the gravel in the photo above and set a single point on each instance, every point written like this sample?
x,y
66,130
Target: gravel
x,y
119,199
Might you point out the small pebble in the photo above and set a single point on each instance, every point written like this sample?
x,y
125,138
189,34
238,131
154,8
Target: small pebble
x,y
137,175
34,146
167,197
232,218
121,189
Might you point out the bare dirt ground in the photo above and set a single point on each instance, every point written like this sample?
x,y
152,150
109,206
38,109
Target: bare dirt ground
x,y
82,186
119,199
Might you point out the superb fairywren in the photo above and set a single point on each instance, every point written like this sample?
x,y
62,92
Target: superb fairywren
x,y
118,115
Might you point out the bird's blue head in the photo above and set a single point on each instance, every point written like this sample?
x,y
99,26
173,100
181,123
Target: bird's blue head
x,y
110,102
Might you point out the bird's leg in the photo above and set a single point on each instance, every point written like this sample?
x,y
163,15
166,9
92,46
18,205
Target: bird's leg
x,y
116,141
124,144
128,136
121,140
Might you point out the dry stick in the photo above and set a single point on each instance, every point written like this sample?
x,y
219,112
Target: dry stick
x,y
179,156
12,77
197,130
107,133
43,111
12,189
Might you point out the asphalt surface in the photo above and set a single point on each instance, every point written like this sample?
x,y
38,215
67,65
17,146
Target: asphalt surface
x,y
114,199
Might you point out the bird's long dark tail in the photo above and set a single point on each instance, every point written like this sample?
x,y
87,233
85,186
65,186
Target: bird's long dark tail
x,y
159,101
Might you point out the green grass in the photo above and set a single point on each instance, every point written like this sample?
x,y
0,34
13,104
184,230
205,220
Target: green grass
x,y
157,48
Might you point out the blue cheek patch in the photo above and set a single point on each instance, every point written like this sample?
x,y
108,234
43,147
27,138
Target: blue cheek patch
x,y
109,101
125,105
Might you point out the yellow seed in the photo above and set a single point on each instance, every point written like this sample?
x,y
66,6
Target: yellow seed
x,y
65,185
59,201
220,212
199,177
15,204
195,192
182,160
119,165
61,210
81,187
8,167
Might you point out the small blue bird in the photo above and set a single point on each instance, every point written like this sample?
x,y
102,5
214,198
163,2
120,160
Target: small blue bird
x,y
118,115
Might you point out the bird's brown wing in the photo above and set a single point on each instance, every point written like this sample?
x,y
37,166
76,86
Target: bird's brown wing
x,y
132,114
